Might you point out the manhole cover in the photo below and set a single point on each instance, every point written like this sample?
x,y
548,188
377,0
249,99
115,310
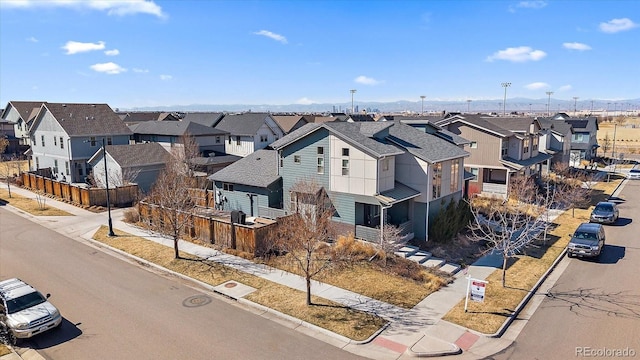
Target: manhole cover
x,y
230,285
196,300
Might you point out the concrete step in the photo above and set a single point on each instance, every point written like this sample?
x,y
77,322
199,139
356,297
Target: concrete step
x,y
406,251
450,268
420,256
434,262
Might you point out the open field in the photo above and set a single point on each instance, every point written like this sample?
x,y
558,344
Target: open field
x,y
627,136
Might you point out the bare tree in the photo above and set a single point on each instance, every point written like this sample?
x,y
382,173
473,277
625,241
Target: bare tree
x,y
391,240
508,226
6,165
304,234
574,192
170,194
606,144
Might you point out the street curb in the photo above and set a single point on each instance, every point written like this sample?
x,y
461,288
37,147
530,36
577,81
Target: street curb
x,y
455,350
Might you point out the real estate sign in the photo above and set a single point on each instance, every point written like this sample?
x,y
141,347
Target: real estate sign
x,y
475,291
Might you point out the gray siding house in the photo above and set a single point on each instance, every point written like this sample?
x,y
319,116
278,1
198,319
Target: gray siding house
x,y
21,114
584,141
249,132
169,134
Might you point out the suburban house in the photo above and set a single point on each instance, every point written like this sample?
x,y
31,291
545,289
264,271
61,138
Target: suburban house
x,y
169,134
209,119
20,114
248,132
13,145
373,173
555,140
129,164
288,123
499,148
584,141
65,136
135,117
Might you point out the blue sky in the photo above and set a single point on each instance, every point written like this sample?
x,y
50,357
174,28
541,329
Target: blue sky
x,y
159,53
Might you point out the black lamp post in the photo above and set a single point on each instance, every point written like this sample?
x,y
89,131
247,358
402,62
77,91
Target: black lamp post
x,y
106,180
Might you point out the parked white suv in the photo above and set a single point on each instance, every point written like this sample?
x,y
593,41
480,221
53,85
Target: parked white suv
x,y
24,311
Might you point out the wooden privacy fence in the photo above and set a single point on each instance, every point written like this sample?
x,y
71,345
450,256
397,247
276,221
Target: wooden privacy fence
x,y
120,197
219,230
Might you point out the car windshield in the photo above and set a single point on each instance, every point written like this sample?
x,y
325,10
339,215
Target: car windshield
x,y
604,207
585,235
24,302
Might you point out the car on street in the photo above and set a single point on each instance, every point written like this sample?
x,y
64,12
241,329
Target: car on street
x,y
24,311
605,212
634,174
587,241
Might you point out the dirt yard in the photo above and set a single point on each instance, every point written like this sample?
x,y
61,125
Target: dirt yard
x,y
627,136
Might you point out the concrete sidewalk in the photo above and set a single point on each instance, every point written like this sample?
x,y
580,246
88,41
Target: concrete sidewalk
x,y
418,332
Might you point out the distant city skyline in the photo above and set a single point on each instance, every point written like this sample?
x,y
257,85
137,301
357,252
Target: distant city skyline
x,y
143,53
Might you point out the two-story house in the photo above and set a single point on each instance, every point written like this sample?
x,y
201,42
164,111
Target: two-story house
x,y
499,148
373,173
21,114
584,141
555,140
65,136
249,132
289,123
170,134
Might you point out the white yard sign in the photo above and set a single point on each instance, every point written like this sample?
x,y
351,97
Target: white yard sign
x,y
475,290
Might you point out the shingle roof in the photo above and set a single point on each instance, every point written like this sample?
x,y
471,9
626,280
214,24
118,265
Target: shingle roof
x,y
135,155
87,119
424,146
174,128
209,119
359,134
287,122
246,124
259,169
24,108
139,116
515,124
477,121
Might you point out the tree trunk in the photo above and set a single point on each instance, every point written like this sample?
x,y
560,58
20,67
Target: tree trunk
x,y
175,248
308,290
504,270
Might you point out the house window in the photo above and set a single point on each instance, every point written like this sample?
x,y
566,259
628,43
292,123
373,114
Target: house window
x,y
473,145
474,172
455,176
320,150
109,140
227,187
525,146
385,164
42,139
345,151
34,141
535,142
217,139
505,148
237,140
229,139
55,141
62,145
436,181
263,138
66,167
281,161
320,165
297,159
55,166
37,163
92,141
345,166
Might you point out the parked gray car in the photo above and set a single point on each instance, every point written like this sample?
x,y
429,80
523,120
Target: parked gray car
x,y
587,241
605,212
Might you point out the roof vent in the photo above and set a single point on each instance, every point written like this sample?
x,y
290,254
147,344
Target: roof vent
x,y
64,105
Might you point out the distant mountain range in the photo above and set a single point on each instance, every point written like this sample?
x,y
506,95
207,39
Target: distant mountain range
x,y
521,105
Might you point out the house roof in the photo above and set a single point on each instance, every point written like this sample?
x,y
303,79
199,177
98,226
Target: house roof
x,y
323,119
259,169
134,155
360,117
427,147
246,124
478,122
287,122
361,135
399,193
209,119
86,119
24,108
174,128
140,116
521,164
514,124
215,160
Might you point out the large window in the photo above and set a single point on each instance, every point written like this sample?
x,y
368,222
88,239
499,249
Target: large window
x,y
436,181
474,172
55,166
62,144
525,146
320,157
345,167
505,148
455,176
580,138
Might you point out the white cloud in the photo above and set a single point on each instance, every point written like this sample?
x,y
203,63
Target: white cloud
x,y
108,68
532,4
565,88
113,52
165,77
576,46
111,7
136,70
537,86
518,54
617,25
32,39
274,36
366,80
305,101
74,47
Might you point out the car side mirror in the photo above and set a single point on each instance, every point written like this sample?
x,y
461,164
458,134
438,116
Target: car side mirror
x,y
48,296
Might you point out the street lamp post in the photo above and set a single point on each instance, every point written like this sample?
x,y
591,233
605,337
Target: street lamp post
x,y
505,85
352,92
468,105
575,106
106,181
422,108
549,93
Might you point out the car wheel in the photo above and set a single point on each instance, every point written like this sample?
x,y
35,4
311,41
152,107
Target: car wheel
x,y
569,255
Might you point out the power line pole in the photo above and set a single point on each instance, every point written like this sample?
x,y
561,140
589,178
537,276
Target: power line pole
x,y
505,85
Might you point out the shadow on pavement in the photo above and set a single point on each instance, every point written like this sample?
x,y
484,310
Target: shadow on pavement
x,y
611,254
622,222
66,332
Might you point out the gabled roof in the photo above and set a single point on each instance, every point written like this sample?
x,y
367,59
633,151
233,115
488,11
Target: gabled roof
x,y
246,124
514,124
85,119
140,116
287,122
209,119
24,108
587,124
174,128
478,122
135,155
259,169
427,147
360,117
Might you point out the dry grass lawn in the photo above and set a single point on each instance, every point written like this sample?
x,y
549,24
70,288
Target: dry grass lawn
x,y
523,273
4,350
356,325
30,205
